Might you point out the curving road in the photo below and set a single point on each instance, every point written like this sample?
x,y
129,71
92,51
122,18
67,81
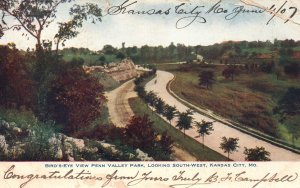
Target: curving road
x,y
118,104
213,141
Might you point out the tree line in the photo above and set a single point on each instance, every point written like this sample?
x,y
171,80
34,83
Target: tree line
x,y
185,122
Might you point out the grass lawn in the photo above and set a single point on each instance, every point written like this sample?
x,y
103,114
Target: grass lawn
x,y
193,147
248,99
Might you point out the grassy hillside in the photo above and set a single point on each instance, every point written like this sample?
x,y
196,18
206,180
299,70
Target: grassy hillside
x,y
108,82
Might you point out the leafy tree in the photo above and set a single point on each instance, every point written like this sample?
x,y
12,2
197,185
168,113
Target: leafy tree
x,y
75,99
139,133
140,91
289,104
257,154
230,72
229,145
109,49
185,120
34,16
16,85
204,128
159,106
102,58
68,30
151,98
170,112
288,108
166,144
120,55
206,78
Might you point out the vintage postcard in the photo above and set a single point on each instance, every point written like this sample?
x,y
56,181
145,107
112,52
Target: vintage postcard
x,y
149,93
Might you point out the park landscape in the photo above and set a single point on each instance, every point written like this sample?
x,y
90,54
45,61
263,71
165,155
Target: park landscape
x,y
235,100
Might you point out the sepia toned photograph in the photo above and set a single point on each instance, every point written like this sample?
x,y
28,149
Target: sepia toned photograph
x,y
126,80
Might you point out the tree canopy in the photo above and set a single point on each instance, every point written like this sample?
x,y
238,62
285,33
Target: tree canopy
x,y
289,104
206,78
229,145
204,128
257,154
185,120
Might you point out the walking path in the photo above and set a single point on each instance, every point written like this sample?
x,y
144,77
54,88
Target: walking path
x,y
118,104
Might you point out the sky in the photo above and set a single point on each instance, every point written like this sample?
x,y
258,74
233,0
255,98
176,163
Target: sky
x,y
154,30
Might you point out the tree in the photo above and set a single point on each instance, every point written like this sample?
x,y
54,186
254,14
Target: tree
x,y
166,144
151,98
108,49
34,16
68,30
16,85
185,121
289,104
140,134
170,112
140,91
230,72
229,145
204,128
120,55
288,108
206,78
257,154
102,60
75,99
159,106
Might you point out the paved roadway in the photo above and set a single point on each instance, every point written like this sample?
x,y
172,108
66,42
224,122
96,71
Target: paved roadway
x,y
213,141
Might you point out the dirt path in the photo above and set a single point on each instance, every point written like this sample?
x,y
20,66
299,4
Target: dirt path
x,y
213,141
118,105
120,113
